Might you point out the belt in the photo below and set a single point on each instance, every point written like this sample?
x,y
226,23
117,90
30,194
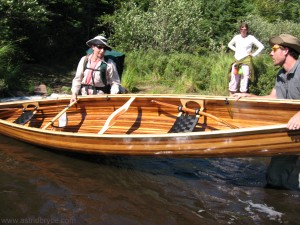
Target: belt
x,y
105,89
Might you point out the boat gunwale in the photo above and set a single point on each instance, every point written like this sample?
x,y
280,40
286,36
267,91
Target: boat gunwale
x,y
210,134
173,96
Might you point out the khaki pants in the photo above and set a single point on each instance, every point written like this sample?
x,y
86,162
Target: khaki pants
x,y
242,79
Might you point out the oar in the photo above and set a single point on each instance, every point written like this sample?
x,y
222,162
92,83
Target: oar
x,y
115,115
59,115
193,111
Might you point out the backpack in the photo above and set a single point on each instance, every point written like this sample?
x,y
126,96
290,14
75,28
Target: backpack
x,y
115,56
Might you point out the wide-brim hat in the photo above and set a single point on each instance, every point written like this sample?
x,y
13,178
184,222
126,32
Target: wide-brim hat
x,y
98,40
286,40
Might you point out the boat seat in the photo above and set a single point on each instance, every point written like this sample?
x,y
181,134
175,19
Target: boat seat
x,y
24,117
184,123
27,114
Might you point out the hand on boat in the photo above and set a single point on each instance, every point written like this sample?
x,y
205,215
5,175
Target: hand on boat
x,y
114,89
294,122
73,98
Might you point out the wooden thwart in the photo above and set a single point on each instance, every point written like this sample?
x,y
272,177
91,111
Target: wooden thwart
x,y
115,115
200,112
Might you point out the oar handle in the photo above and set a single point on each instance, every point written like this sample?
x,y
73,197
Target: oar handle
x,y
59,115
193,111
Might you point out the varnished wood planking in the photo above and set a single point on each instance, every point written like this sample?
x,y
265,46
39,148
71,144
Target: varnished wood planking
x,y
151,121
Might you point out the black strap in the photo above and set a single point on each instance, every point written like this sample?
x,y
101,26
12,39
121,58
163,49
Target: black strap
x,y
102,68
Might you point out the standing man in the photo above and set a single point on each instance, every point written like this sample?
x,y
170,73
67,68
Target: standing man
x,y
285,53
242,69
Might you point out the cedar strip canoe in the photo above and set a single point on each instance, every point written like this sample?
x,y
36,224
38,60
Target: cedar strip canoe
x,y
140,125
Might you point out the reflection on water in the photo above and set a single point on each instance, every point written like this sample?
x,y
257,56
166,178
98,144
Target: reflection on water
x,y
44,187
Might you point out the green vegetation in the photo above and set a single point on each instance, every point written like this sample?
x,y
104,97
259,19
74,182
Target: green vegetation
x,y
10,68
186,73
175,46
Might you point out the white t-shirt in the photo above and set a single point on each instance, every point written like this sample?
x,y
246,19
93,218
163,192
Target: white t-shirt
x,y
243,46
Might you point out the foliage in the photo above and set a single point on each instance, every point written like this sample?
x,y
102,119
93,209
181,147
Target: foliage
x,y
222,19
10,68
263,29
265,74
166,26
189,73
16,17
274,10
181,44
20,20
175,26
56,28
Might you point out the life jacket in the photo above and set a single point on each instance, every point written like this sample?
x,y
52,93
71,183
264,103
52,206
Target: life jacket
x,y
115,56
102,69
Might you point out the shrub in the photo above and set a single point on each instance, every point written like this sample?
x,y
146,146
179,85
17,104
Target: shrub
x,y
10,69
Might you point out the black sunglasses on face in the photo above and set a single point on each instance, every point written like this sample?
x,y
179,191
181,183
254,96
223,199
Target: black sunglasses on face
x,y
100,47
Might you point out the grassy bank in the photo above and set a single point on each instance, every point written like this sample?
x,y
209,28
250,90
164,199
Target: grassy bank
x,y
153,72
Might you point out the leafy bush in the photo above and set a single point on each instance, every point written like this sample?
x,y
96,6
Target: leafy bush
x,y
264,30
10,68
167,26
265,75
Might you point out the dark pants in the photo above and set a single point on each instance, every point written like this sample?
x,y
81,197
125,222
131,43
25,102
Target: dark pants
x,y
280,172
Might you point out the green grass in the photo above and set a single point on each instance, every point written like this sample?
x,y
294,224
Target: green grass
x,y
182,73
156,73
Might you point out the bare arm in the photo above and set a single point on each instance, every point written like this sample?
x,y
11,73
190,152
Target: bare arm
x,y
76,82
237,96
293,123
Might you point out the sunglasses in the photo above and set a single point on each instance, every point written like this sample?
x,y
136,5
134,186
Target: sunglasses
x,y
276,47
100,46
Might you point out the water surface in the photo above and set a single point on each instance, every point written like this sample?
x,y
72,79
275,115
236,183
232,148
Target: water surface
x,y
39,186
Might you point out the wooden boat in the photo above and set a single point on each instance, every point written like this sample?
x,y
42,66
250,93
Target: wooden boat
x,y
209,126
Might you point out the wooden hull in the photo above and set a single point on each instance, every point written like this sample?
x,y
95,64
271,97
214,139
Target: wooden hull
x,y
143,128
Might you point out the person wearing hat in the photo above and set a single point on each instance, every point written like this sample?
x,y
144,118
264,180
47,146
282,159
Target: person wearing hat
x,y
93,74
285,53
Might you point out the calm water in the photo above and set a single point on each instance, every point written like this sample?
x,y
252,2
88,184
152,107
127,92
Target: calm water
x,y
44,187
